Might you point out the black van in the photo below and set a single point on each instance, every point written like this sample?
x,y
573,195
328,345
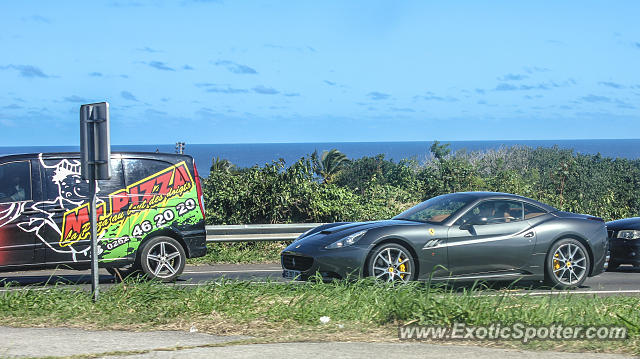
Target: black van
x,y
150,213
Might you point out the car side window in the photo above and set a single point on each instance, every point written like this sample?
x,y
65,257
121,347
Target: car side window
x,y
493,212
116,182
63,181
138,169
15,182
531,211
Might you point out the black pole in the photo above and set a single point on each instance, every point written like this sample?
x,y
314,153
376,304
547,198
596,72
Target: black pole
x,y
95,277
95,156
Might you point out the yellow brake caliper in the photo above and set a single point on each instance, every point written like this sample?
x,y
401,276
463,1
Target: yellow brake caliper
x,y
402,268
556,263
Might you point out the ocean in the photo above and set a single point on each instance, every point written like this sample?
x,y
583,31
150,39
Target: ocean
x,y
252,154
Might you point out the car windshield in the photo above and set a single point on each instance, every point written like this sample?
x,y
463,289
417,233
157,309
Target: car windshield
x,y
437,209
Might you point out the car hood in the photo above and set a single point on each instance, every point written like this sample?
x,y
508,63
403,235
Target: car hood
x,y
356,226
627,223
332,233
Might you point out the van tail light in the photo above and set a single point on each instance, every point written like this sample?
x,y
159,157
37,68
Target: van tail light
x,y
199,189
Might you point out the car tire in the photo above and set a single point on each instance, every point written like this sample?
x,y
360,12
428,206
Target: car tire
x,y
391,262
567,264
162,258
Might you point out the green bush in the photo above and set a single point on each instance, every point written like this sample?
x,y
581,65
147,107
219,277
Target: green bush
x,y
373,188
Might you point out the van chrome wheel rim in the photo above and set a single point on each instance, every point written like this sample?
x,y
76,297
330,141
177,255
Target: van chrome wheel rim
x,y
569,264
392,265
164,260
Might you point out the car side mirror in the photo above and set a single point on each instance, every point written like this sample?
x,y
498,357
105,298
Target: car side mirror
x,y
466,226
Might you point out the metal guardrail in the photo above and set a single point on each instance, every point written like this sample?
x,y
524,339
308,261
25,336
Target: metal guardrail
x,y
257,232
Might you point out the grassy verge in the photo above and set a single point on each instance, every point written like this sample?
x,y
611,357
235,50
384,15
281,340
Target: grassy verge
x,y
287,312
241,253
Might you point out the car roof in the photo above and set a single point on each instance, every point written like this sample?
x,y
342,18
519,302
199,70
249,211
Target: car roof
x,y
122,154
481,195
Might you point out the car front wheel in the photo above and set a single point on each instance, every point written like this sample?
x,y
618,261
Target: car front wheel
x,y
567,264
162,258
391,262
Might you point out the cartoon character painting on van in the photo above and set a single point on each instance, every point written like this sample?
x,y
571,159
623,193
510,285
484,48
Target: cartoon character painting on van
x,y
125,216
66,177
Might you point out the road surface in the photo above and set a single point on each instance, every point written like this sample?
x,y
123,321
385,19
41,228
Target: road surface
x,y
626,281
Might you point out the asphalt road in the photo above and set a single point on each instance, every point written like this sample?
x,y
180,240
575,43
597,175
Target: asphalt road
x,y
626,281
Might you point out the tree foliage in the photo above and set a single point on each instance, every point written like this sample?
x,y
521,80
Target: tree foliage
x,y
333,189
329,165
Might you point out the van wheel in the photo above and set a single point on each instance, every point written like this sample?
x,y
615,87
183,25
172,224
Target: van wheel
x,y
162,258
567,264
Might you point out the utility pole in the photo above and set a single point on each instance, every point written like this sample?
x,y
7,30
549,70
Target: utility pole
x,y
180,147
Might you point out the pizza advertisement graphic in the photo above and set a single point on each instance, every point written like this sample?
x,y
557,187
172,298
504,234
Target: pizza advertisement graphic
x,y
164,199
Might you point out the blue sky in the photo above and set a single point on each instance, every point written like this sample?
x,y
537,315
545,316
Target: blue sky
x,y
320,71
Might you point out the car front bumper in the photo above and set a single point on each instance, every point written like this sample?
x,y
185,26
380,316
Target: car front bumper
x,y
329,264
625,251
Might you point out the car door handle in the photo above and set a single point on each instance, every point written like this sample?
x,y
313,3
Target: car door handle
x,y
528,235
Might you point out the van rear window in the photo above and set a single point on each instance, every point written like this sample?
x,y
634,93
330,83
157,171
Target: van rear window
x,y
138,169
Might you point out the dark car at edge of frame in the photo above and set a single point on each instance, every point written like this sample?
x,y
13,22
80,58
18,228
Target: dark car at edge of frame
x,y
464,236
624,241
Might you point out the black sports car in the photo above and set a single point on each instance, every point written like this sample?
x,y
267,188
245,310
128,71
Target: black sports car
x,y
461,236
624,242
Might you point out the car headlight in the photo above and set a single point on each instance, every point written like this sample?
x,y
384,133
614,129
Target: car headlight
x,y
629,234
347,241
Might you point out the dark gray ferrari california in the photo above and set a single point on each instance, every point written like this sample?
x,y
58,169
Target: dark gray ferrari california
x,y
459,236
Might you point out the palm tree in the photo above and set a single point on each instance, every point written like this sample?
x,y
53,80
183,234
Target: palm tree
x,y
330,163
221,165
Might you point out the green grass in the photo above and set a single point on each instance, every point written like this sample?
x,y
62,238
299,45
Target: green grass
x,y
241,253
287,311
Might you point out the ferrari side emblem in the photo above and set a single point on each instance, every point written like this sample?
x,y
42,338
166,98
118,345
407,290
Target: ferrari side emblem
x,y
432,231
432,243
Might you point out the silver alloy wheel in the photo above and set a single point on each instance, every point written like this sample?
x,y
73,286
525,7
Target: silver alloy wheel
x,y
392,264
164,260
569,264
